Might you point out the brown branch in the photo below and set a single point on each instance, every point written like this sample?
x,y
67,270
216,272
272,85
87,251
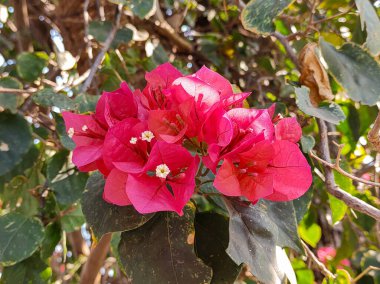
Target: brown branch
x,y
100,56
351,201
95,260
16,91
289,50
337,167
373,135
365,271
317,262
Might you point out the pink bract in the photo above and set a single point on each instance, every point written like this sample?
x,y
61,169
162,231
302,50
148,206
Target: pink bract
x,y
148,143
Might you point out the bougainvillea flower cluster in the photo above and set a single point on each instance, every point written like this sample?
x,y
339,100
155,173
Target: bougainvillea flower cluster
x,y
149,144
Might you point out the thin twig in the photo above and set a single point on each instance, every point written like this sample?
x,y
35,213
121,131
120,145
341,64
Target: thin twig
x,y
17,91
337,167
289,50
332,188
317,262
364,272
373,135
87,40
103,51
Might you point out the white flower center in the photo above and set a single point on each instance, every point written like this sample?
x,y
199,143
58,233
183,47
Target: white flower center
x,y
70,132
133,140
147,136
4,147
162,171
84,127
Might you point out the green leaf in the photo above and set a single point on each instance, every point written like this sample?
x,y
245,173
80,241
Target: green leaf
x,y
355,69
70,188
349,243
258,15
51,239
31,270
330,112
211,242
47,97
104,217
165,245
101,29
307,143
302,204
9,100
141,7
256,230
86,102
304,275
369,19
29,65
15,141
55,164
338,208
372,258
73,220
309,230
20,237
66,141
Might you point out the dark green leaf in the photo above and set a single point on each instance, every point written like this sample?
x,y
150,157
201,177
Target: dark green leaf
x,y
9,100
330,112
258,15
70,188
20,237
165,245
104,217
47,97
301,204
66,141
32,270
73,220
211,242
29,65
355,69
307,143
372,258
55,164
51,239
15,141
141,7
101,29
349,243
256,230
370,20
86,102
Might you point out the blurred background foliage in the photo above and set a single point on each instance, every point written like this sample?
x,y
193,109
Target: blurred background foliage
x,y
47,53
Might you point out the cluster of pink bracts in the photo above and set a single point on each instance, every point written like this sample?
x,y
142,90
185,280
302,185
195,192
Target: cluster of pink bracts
x,y
149,144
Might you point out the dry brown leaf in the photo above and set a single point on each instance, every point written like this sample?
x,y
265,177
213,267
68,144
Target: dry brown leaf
x,y
313,75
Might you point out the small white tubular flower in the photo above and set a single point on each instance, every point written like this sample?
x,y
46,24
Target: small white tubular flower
x,y
162,171
70,132
84,127
133,140
147,136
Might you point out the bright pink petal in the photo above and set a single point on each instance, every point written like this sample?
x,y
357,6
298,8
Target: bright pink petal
x,y
291,172
256,187
118,149
167,125
150,194
163,76
235,100
84,128
288,129
173,155
226,180
217,129
218,82
116,106
86,155
114,189
272,110
205,95
258,157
